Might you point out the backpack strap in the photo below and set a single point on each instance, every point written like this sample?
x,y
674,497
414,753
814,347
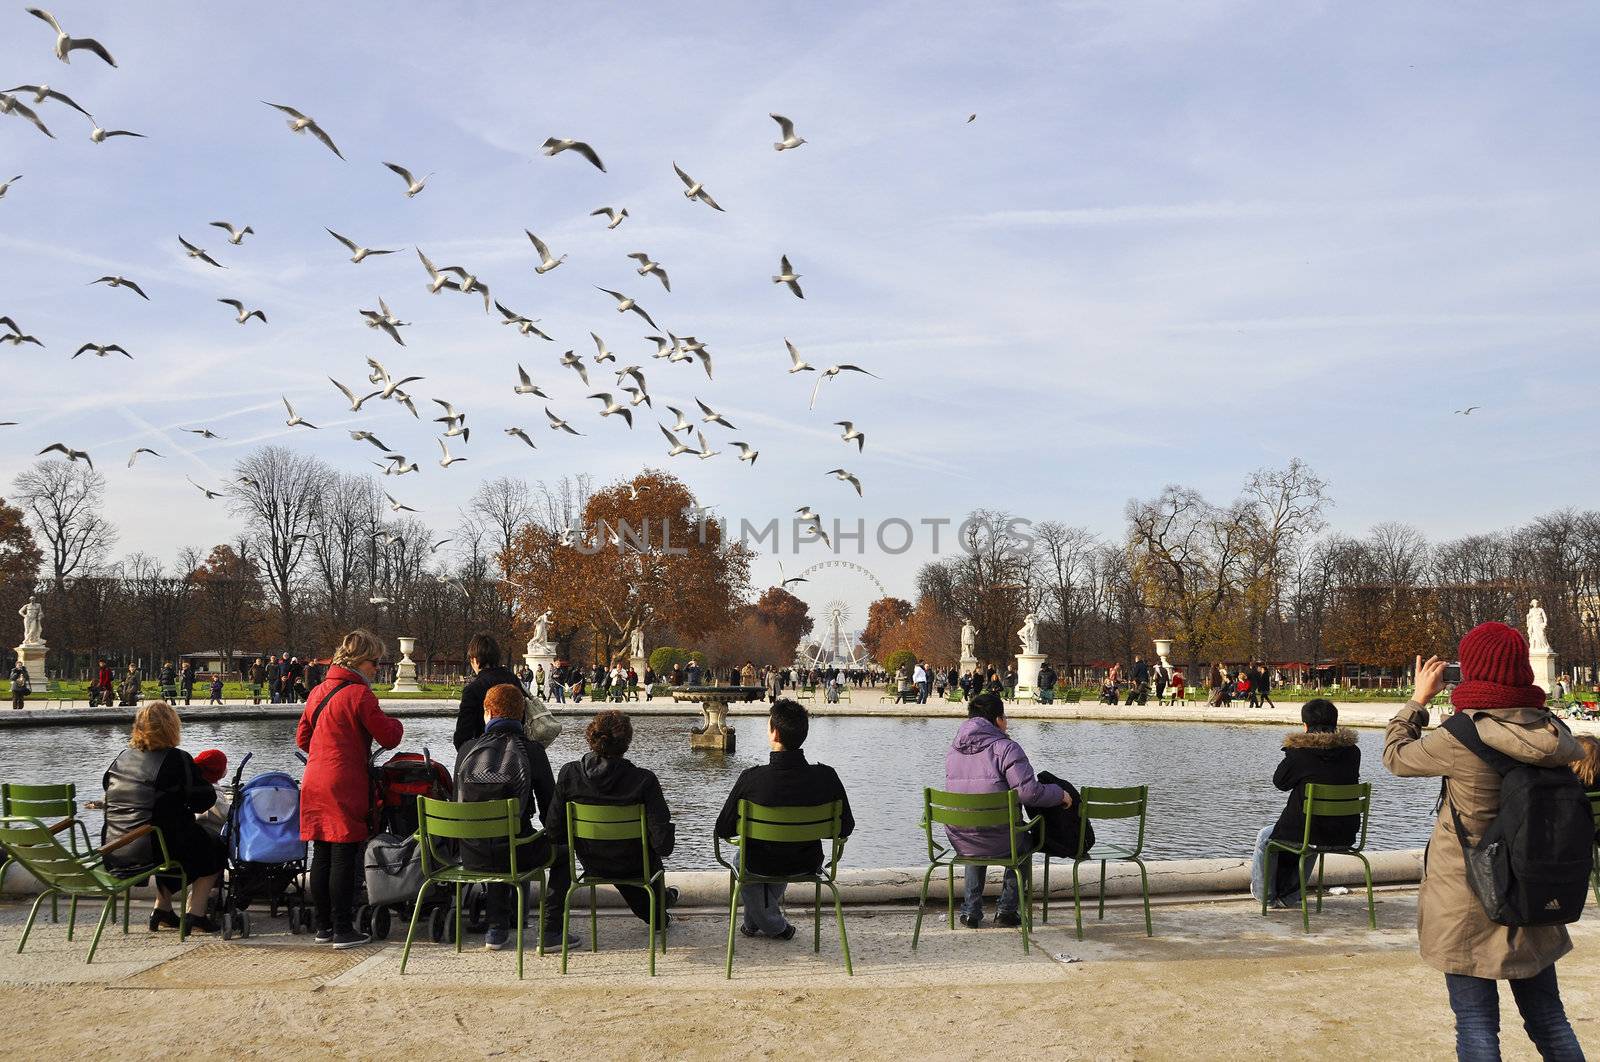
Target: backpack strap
x,y
317,714
1462,727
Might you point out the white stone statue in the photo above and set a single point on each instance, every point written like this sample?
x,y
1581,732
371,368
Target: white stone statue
x,y
969,641
636,643
1030,635
1537,621
32,622
541,628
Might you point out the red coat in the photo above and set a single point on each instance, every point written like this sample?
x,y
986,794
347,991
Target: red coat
x,y
334,795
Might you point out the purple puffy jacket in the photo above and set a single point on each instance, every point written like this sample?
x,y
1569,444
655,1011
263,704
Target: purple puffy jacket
x,y
983,760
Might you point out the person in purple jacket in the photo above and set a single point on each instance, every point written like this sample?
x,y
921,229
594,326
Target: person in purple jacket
x,y
982,759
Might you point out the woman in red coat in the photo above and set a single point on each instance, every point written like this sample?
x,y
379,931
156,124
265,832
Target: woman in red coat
x,y
337,728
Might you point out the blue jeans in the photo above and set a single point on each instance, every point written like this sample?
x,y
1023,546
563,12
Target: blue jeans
x,y
559,692
972,903
1258,870
763,908
1476,1002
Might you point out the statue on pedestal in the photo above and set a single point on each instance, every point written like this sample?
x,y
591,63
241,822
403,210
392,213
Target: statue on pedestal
x,y
636,643
1538,642
32,622
541,630
1029,634
969,641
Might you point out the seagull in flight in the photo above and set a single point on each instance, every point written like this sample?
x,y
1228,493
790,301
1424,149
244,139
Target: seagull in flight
x,y
526,386
614,215
850,433
413,186
98,135
684,424
557,424
706,453
746,453
300,123
520,434
971,118
295,420
69,452
845,477
5,186
384,320
624,304
796,363
834,370
355,403
141,450
11,326
601,354
367,436
546,261
200,253
207,491
397,466
633,371
572,361
123,282
437,278
204,433
786,129
391,386
358,254
66,44
787,275
678,446
693,189
646,267
638,397
528,326
713,417
235,236
101,350
45,92
446,461
240,315
1468,411
395,506
613,406
16,339
555,146
11,105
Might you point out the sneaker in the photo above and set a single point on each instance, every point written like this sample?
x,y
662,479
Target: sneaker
x,y
672,896
324,936
1009,919
497,940
748,931
553,940
787,934
972,921
349,938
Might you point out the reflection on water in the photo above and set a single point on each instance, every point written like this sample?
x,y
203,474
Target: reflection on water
x,y
1210,785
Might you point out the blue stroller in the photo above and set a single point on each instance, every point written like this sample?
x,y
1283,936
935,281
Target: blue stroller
x,y
266,857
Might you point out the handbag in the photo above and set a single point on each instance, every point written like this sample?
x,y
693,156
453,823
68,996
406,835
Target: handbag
x,y
540,723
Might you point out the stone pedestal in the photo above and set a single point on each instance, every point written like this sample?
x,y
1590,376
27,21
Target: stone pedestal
x,y
541,655
1543,662
640,665
32,658
714,732
1028,665
405,673
966,666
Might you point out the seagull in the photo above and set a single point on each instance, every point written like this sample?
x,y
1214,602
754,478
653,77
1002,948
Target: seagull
x,y
446,461
554,146
235,236
5,186
405,400
546,262
786,128
526,386
638,397
98,135
747,454
520,434
355,403
845,477
204,433
850,433
141,450
10,105
357,252
197,252
646,266
436,277
678,446
242,316
450,413
624,304
834,370
698,349
299,123
706,452
386,321
367,436
557,424
684,424
295,420
247,481
16,339
397,506
796,364
456,427
528,326
397,466
413,186
391,386
45,92
785,578
971,118
123,282
101,350
633,371
693,189
207,491
1468,411
663,348
601,354
787,275
712,416
613,406
611,213
572,361
69,452
66,44
10,325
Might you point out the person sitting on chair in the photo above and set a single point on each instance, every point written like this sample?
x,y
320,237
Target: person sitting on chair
x,y
1324,753
787,780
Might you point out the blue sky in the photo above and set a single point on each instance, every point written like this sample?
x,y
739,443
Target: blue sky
x,y
1182,240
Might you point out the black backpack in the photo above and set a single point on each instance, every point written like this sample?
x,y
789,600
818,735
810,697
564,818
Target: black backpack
x,y
1532,865
1061,824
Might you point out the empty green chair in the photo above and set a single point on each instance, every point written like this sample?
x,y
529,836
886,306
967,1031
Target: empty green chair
x,y
797,825
63,873
940,808
1100,803
611,822
47,803
1325,801
482,820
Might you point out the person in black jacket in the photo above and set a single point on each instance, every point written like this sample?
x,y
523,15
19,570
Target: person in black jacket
x,y
1324,753
504,763
605,776
483,653
787,781
1140,675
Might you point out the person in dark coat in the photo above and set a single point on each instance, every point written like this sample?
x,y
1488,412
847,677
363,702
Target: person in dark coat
x,y
21,684
786,781
1325,753
186,681
337,728
605,776
153,782
489,670
1140,676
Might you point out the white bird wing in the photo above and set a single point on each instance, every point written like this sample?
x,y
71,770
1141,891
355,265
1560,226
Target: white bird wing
x,y
688,182
784,125
351,244
39,12
404,173
538,245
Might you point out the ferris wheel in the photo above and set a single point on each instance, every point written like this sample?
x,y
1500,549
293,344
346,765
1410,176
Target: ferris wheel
x,y
839,644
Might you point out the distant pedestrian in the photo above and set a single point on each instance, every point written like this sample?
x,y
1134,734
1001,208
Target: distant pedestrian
x,y
21,685
216,689
186,681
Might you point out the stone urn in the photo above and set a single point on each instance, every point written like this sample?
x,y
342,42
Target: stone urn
x,y
405,673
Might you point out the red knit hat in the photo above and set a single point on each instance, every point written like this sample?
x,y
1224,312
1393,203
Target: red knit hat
x,y
212,764
1495,672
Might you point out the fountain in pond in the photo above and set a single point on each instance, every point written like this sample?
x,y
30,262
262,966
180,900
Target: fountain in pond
x,y
714,733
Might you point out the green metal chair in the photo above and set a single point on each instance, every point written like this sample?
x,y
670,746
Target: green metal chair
x,y
610,822
1325,801
1102,803
977,809
46,803
1594,805
482,820
61,872
792,825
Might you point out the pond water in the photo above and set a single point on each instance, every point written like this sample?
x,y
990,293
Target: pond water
x,y
1210,784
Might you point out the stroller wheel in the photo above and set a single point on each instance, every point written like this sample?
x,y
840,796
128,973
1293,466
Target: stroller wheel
x,y
364,919
380,924
243,924
439,924
306,917
227,925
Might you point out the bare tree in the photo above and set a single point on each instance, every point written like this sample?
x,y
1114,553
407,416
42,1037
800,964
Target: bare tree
x,y
63,502
279,493
341,550
160,602
1063,555
503,507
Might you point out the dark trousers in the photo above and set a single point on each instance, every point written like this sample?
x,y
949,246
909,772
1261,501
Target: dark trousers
x,y
1476,1003
638,901
499,903
335,865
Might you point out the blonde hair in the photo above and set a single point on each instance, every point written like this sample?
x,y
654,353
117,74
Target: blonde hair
x,y
155,727
1589,766
360,646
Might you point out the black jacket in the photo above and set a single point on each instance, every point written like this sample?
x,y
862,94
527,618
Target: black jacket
x,y
1329,758
787,781
1140,673
469,717
602,780
503,764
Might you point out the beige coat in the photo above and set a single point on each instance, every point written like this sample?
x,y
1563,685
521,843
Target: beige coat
x,y
1453,931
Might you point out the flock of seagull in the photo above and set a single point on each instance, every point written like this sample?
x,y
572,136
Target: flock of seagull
x,y
629,392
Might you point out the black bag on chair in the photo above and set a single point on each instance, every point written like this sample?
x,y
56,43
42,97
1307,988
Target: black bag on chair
x,y
1061,824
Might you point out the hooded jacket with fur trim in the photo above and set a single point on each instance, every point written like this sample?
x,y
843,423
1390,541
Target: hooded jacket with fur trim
x,y
1327,758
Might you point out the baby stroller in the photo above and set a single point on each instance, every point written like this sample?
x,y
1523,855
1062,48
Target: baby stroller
x,y
393,862
266,857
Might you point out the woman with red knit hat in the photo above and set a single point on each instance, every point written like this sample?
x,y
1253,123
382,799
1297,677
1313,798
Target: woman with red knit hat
x,y
1455,934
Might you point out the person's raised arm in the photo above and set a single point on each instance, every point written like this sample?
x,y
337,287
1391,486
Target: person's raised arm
x,y
385,729
1408,752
